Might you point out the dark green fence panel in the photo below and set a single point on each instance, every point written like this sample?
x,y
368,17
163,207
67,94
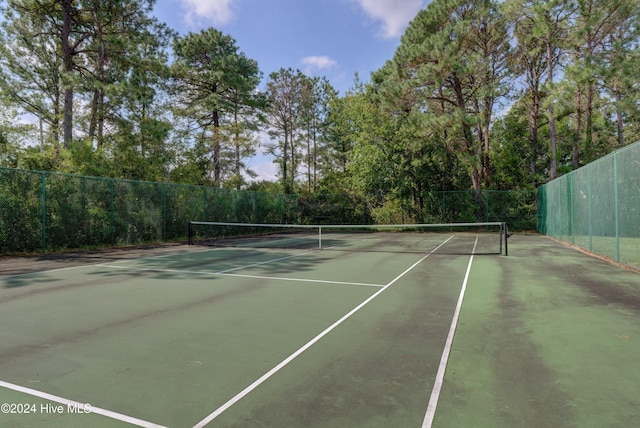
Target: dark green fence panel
x,y
21,211
597,207
78,211
515,207
43,211
138,212
184,203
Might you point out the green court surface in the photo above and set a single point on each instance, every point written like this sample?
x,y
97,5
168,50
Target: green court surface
x,y
184,336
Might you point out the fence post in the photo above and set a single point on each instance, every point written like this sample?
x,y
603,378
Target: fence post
x,y
616,204
204,204
331,209
235,205
164,212
112,188
43,202
590,198
486,205
572,210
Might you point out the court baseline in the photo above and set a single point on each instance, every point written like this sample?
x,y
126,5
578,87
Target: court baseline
x,y
67,402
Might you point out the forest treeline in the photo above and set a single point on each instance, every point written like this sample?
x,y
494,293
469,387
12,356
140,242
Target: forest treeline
x,y
479,95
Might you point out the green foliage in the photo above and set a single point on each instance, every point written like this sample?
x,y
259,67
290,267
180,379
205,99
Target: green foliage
x,y
43,211
512,170
288,93
20,211
214,84
439,93
390,212
479,95
265,186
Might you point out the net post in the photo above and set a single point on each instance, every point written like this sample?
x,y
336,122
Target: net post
x,y
506,239
320,237
190,238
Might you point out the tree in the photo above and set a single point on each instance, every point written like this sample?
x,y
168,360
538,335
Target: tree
x,y
617,74
14,135
346,124
212,82
317,94
446,77
125,61
286,91
550,18
528,61
69,50
61,59
596,24
510,137
30,66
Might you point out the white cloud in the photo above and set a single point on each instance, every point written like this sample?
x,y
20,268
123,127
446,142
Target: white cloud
x,y
264,166
394,15
316,63
218,12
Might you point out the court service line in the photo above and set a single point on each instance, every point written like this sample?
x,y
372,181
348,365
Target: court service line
x,y
77,406
239,396
274,278
319,281
264,263
437,386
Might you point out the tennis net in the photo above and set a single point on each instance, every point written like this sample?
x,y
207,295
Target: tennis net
x,y
458,238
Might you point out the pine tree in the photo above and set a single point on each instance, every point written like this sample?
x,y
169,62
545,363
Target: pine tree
x,y
212,80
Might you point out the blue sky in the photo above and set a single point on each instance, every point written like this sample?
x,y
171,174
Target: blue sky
x,y
331,38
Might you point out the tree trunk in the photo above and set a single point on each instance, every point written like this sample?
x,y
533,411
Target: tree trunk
x,y
285,159
215,150
67,66
533,124
619,119
237,168
552,120
576,140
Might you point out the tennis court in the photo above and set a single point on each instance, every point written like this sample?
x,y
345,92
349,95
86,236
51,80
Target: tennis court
x,y
245,336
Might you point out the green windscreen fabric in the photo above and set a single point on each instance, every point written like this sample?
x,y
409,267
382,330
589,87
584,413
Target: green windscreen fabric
x,y
46,211
597,207
515,207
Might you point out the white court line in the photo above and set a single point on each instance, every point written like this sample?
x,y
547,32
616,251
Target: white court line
x,y
225,272
78,405
319,281
437,386
239,396
264,263
275,278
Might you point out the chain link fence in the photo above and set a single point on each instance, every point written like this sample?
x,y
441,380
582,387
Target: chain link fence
x,y
515,207
44,211
597,207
